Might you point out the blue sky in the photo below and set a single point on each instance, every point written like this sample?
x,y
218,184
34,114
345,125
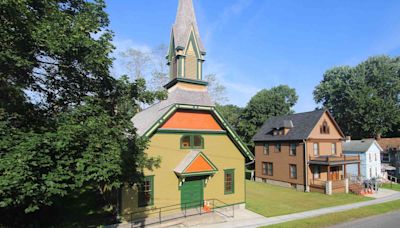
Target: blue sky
x,y
256,44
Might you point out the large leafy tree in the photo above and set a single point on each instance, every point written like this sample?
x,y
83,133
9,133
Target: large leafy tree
x,y
64,121
365,99
231,113
276,101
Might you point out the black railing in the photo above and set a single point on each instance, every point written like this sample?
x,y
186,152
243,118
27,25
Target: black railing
x,y
177,211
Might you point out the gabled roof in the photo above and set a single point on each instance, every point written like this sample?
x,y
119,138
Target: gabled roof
x,y
195,163
149,120
184,23
145,119
359,145
303,124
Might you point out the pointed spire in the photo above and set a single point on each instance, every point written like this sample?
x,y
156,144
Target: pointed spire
x,y
185,20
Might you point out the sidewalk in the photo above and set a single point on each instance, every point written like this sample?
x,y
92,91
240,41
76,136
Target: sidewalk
x,y
258,220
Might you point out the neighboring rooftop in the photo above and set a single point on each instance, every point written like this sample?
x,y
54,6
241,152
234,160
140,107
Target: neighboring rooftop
x,y
359,145
389,143
303,124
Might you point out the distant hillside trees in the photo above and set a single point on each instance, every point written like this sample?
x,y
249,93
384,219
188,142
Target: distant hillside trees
x,y
365,99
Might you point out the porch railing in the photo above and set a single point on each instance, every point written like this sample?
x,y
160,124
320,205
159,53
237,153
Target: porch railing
x,y
328,159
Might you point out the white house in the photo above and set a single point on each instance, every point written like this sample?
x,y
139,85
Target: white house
x,y
370,156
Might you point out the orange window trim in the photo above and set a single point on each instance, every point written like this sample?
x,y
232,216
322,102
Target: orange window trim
x,y
192,120
199,165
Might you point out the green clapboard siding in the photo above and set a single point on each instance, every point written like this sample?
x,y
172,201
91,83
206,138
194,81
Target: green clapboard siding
x,y
192,193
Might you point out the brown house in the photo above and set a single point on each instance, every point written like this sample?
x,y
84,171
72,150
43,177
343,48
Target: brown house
x,y
302,151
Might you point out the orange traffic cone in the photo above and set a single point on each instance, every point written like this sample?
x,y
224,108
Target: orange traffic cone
x,y
206,207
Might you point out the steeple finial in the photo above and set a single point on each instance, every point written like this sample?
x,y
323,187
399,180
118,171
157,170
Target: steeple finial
x,y
185,21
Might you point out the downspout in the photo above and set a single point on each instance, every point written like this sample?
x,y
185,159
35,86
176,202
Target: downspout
x,y
306,186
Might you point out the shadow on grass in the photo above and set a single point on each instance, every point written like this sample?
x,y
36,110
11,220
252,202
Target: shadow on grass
x,y
85,208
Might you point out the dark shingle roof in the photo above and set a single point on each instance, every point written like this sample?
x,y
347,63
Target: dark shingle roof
x,y
303,124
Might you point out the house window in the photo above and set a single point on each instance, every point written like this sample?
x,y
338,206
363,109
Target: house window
x,y
192,142
316,149
376,157
266,149
324,129
370,172
370,157
293,171
317,172
229,181
333,148
385,157
146,192
278,147
292,151
267,168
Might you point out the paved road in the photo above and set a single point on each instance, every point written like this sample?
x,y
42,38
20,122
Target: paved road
x,y
388,220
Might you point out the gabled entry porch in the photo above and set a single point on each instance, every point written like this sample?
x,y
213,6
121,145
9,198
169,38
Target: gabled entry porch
x,y
194,171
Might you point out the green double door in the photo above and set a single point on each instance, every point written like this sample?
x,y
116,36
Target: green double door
x,y
192,194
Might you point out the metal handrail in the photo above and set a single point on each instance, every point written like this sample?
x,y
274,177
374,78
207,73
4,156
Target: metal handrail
x,y
181,208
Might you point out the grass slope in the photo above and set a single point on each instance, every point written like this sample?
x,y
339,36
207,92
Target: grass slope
x,y
393,186
341,217
270,200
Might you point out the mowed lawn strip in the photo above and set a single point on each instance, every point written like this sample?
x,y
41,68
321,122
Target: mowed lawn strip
x,y
393,186
341,217
270,200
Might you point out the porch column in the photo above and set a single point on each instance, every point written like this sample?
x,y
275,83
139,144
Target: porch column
x,y
344,168
329,172
359,169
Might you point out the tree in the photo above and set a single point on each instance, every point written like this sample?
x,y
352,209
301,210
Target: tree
x,y
215,89
231,113
49,49
265,104
365,99
64,121
148,64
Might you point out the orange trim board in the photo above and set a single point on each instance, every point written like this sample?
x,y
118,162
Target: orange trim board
x,y
191,120
199,165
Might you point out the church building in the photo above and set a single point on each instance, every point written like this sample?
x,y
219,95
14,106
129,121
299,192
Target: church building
x,y
202,158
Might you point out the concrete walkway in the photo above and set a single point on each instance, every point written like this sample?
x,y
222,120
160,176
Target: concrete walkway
x,y
251,219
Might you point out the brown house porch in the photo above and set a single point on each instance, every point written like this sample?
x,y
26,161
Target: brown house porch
x,y
328,173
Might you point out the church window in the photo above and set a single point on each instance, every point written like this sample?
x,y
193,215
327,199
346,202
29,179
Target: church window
x,y
192,142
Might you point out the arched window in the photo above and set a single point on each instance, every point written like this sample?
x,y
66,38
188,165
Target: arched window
x,y
192,142
324,128
197,142
185,142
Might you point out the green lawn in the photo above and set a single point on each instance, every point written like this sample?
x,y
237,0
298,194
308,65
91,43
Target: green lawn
x,y
340,217
395,187
270,200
